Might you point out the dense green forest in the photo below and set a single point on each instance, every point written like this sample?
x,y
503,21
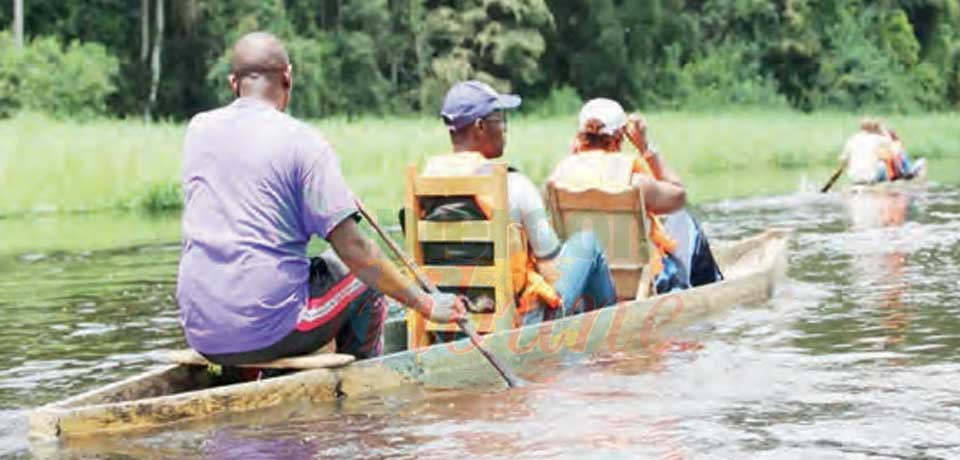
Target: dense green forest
x,y
168,57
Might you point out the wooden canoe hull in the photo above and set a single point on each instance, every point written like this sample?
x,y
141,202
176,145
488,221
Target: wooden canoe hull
x,y
885,187
176,393
918,182
626,326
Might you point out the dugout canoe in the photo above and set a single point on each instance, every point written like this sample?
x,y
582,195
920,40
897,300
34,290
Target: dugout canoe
x,y
917,182
179,393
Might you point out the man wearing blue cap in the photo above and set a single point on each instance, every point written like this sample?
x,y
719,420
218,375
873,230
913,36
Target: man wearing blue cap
x,y
573,275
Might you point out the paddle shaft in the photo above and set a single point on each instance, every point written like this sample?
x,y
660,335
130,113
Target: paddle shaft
x,y
464,322
833,179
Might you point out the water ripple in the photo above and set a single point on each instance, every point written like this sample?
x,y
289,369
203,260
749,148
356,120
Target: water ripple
x,y
856,356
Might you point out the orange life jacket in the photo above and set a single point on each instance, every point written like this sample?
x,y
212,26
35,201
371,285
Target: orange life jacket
x,y
529,286
891,163
658,235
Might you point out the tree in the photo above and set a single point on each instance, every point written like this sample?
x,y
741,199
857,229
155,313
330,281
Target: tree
x,y
18,22
144,31
498,41
155,61
398,56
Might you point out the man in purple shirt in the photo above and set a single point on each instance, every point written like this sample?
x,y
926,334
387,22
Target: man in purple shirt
x,y
257,185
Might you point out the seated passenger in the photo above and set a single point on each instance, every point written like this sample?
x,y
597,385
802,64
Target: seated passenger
x,y
683,258
900,154
258,184
562,278
875,154
907,169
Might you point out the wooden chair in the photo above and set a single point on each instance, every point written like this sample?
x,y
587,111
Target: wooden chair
x,y
485,276
613,211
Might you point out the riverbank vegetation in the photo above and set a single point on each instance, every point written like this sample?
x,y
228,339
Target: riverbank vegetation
x,y
63,165
745,96
168,58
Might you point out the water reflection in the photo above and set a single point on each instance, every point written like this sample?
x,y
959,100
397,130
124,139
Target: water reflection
x,y
77,320
882,269
533,422
855,357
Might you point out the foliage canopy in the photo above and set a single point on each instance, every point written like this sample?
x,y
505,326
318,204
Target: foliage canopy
x,y
397,56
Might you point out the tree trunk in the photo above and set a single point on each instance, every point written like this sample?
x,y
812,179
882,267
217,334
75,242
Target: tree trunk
x,y
144,31
394,73
323,15
339,12
18,22
417,14
155,60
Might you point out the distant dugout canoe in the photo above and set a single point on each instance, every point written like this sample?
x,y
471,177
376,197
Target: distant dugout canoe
x,y
917,182
181,393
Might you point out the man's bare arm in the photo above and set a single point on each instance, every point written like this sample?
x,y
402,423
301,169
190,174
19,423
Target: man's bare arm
x,y
661,197
661,169
636,133
363,258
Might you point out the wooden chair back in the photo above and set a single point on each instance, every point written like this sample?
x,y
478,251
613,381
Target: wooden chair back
x,y
490,277
612,209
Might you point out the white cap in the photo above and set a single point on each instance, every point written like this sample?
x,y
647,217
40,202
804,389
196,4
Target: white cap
x,y
606,111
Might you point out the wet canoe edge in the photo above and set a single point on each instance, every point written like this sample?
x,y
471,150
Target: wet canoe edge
x,y
918,183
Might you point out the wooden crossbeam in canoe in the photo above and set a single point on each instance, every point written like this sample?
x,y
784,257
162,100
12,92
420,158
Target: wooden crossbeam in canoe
x,y
312,361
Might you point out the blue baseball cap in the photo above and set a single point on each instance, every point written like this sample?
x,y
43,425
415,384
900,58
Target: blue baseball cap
x,y
472,100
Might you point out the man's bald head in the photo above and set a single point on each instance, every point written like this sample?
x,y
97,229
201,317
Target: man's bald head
x,y
258,52
260,68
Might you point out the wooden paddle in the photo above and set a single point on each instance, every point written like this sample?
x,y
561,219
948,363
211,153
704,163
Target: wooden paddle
x,y
833,179
508,376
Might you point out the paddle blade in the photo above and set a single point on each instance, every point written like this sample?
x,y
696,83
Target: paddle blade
x,y
508,376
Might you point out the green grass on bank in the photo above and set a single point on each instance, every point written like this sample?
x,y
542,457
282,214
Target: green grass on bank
x,y
43,234
50,165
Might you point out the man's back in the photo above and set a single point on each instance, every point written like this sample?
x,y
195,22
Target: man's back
x,y
248,173
863,152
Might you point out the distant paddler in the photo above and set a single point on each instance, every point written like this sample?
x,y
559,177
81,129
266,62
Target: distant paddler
x,y
876,154
683,258
257,185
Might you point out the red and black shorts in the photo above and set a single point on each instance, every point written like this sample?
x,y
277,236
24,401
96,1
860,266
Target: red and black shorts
x,y
340,308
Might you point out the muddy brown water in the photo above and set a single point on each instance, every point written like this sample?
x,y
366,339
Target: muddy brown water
x,y
857,356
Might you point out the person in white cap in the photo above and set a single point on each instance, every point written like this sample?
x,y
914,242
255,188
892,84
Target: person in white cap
x,y
603,126
684,258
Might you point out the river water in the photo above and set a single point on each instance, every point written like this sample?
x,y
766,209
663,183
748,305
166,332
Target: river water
x,y
857,356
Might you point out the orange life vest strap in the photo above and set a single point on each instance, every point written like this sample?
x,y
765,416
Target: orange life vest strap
x,y
658,236
529,286
537,291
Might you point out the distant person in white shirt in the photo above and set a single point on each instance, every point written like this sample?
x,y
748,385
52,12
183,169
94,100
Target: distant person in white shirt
x,y
876,154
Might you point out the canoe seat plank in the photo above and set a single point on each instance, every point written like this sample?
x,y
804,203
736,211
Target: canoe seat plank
x,y
313,361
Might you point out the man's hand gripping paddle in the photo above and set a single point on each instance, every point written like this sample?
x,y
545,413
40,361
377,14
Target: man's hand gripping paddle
x,y
508,376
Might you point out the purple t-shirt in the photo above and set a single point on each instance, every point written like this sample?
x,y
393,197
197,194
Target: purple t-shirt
x,y
257,184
